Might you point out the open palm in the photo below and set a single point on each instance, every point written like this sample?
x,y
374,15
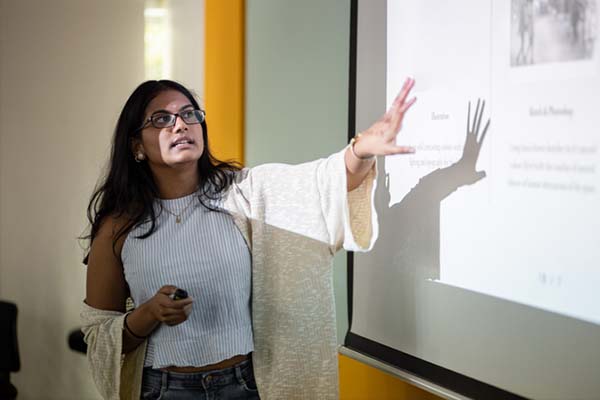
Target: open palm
x,y
380,138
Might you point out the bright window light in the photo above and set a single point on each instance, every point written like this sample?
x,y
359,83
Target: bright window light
x,y
157,40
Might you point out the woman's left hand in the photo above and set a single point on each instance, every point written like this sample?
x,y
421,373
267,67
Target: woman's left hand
x,y
380,138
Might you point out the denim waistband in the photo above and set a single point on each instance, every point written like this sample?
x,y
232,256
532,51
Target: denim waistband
x,y
239,373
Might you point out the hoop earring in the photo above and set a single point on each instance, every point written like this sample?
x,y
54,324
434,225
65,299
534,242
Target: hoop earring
x,y
139,157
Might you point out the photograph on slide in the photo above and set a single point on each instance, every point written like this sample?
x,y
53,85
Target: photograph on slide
x,y
544,31
546,40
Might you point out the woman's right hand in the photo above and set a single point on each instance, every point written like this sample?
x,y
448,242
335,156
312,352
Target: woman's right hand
x,y
161,308
166,310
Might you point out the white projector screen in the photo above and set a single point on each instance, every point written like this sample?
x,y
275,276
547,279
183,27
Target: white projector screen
x,y
488,261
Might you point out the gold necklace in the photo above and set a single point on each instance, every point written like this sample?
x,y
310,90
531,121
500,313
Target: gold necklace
x,y
178,216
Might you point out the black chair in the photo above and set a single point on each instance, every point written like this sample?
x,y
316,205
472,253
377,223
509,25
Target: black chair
x,y
76,342
9,349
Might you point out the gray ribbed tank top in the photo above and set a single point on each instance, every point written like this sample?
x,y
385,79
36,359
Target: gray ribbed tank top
x,y
206,255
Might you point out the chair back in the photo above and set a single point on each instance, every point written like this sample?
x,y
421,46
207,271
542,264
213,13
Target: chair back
x,y
9,346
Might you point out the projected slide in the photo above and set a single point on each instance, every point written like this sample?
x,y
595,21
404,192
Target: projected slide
x,y
519,203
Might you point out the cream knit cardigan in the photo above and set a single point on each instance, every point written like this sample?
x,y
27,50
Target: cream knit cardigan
x,y
293,218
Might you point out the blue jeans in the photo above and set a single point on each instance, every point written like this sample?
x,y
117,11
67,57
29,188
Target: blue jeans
x,y
236,382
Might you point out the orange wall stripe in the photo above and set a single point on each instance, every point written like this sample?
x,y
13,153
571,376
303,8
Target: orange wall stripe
x,y
359,381
224,77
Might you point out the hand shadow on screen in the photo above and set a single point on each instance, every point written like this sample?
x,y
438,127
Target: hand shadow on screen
x,y
408,249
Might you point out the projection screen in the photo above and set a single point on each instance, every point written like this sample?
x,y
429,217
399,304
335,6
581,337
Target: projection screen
x,y
485,280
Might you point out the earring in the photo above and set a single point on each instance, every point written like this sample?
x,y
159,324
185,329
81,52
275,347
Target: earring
x,y
139,156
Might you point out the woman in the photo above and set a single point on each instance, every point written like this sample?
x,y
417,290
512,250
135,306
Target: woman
x,y
169,215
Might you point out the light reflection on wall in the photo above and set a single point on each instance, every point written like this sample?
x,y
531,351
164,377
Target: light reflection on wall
x,y
157,40
174,42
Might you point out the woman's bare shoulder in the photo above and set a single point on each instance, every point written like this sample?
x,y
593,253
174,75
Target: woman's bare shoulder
x,y
106,287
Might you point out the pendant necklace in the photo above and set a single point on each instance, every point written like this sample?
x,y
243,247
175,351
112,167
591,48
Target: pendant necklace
x,y
178,216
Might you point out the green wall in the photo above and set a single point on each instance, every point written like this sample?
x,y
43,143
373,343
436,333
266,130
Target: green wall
x,y
297,90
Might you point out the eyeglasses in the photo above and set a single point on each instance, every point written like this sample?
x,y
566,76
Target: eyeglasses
x,y
162,119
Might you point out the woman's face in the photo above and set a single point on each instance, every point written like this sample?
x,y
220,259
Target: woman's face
x,y
174,146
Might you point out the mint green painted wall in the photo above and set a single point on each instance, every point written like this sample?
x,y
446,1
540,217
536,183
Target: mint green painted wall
x,y
297,90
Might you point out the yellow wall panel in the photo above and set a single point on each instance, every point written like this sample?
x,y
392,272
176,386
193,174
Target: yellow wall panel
x,y
359,381
224,77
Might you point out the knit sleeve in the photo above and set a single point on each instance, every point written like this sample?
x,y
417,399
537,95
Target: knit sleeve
x,y
350,216
311,199
103,334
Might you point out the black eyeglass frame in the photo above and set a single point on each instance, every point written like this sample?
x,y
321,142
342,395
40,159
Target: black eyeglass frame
x,y
150,120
